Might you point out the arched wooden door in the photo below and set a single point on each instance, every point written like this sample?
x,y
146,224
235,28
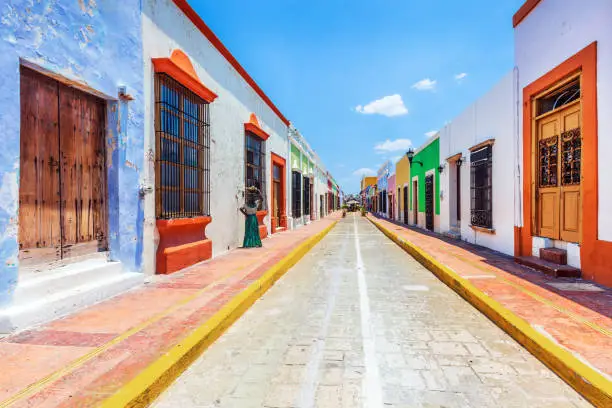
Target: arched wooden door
x,y
558,162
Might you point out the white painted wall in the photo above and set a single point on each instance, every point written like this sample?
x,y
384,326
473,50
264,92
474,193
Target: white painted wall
x,y
554,31
166,28
492,116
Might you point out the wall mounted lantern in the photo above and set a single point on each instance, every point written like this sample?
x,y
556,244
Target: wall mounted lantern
x,y
410,154
459,162
441,168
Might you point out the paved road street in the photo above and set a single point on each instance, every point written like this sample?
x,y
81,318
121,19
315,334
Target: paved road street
x,y
359,323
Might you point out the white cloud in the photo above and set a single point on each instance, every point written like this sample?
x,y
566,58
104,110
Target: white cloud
x,y
431,133
364,171
393,145
425,85
391,105
460,77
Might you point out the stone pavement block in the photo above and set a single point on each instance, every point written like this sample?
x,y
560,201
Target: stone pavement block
x,y
328,396
282,396
449,348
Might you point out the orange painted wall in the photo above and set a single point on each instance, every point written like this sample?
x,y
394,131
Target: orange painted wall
x,y
182,243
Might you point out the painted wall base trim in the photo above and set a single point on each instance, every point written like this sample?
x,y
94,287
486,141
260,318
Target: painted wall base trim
x,y
590,383
153,380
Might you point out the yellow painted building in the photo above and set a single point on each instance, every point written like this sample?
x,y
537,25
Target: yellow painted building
x,y
367,181
402,183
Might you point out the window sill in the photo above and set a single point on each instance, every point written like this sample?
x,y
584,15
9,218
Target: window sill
x,y
483,229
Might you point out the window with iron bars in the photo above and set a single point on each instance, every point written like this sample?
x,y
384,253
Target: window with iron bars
x,y
182,151
306,195
254,166
481,187
296,194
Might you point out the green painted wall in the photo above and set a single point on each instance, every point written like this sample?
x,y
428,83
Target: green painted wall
x,y
295,158
430,157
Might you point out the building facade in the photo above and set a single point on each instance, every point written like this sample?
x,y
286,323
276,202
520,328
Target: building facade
x,y
478,153
402,185
392,197
204,115
563,54
382,188
425,187
72,158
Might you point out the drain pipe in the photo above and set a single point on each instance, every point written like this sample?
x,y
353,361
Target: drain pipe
x,y
517,189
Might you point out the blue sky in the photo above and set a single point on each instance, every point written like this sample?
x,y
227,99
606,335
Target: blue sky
x,y
352,75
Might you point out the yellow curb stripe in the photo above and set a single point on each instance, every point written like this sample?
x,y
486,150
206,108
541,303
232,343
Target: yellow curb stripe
x,y
539,298
154,379
587,381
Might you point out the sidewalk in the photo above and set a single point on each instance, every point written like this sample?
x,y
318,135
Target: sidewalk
x,y
81,360
574,314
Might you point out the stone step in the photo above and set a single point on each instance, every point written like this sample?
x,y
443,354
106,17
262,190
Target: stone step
x,y
453,234
45,283
23,315
554,255
549,268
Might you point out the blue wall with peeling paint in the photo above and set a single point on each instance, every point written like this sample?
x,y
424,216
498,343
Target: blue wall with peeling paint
x,y
98,43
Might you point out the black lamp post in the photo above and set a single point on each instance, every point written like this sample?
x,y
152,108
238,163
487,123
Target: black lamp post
x,y
410,154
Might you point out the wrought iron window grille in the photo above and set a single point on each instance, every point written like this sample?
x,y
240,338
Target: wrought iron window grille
x,y
481,164
182,158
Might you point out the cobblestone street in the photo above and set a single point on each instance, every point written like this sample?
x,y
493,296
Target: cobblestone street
x,y
359,323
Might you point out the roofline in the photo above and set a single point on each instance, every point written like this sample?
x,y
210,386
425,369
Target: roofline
x,y
204,29
524,11
427,142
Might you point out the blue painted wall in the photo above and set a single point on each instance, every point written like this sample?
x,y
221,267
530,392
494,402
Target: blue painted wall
x,y
100,44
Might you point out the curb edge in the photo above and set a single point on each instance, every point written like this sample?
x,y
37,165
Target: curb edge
x,y
150,382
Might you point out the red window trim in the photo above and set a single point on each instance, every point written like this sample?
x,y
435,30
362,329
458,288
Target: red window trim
x,y
252,126
179,67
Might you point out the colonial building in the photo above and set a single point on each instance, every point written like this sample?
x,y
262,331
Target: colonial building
x,y
118,164
425,185
210,132
382,188
402,184
477,152
392,196
563,55
302,194
71,164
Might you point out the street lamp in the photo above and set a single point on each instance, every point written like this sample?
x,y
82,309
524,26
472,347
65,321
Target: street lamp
x,y
410,154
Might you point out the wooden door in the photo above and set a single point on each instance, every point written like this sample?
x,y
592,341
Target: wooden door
x,y
63,171
83,173
429,202
406,205
39,169
558,178
276,195
458,186
415,202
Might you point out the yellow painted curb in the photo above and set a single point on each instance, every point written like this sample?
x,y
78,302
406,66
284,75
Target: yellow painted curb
x,y
154,379
587,381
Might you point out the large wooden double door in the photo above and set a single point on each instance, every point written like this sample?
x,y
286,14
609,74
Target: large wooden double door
x,y
558,173
62,190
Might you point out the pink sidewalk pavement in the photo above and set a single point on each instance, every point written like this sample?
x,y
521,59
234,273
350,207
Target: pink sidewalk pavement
x,y
578,315
80,360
